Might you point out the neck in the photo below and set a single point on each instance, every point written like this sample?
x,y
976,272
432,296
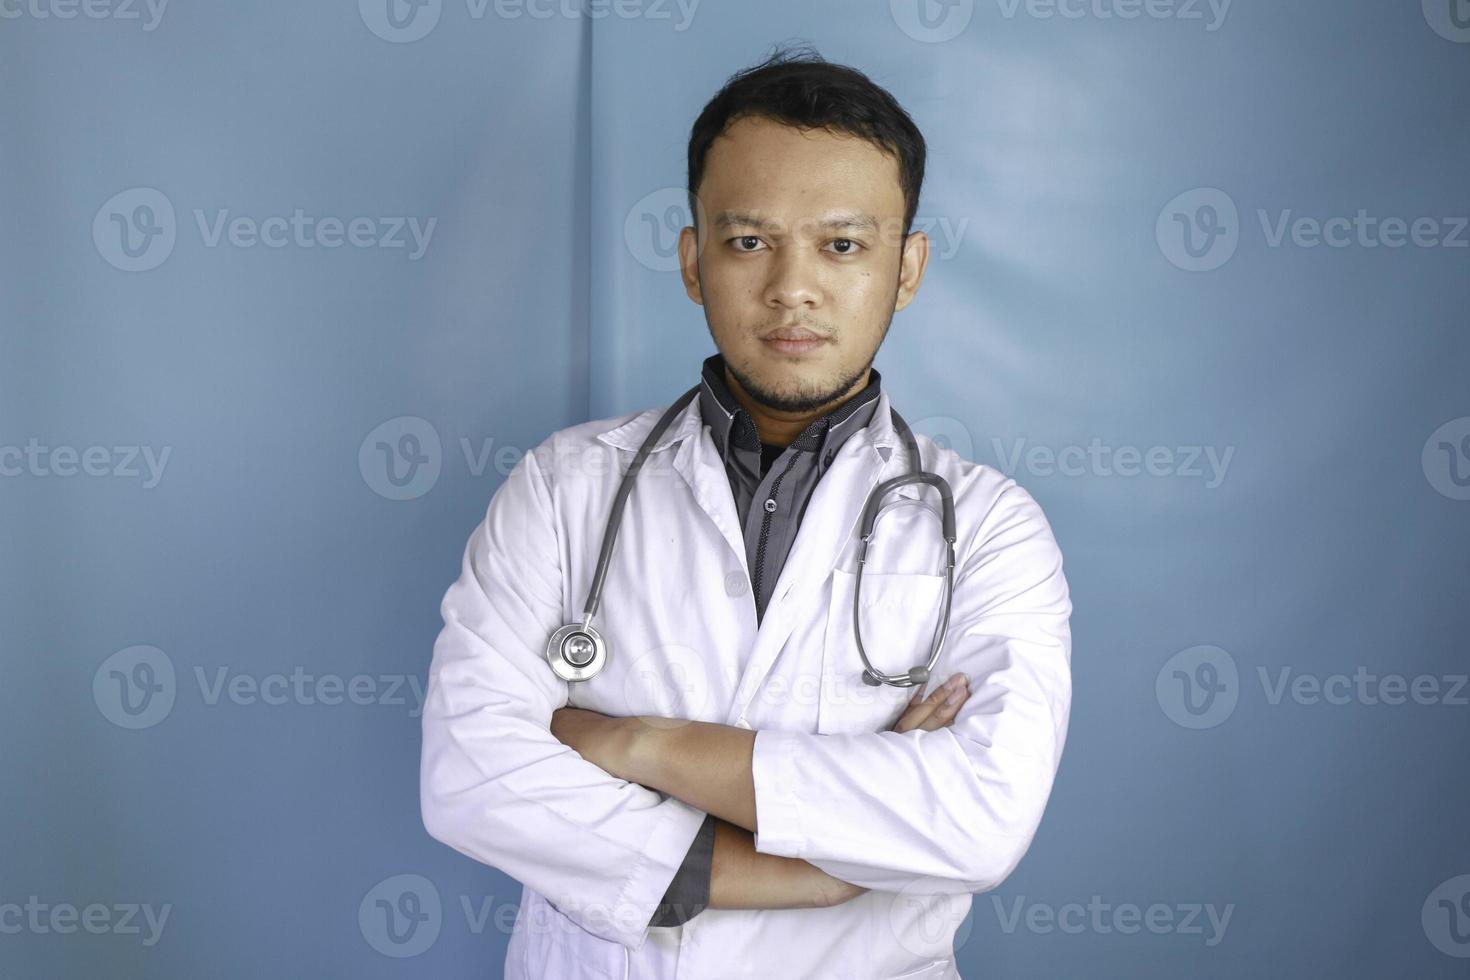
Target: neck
x,y
778,428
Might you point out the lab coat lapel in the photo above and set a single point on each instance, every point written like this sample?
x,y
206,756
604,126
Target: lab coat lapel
x,y
696,462
701,467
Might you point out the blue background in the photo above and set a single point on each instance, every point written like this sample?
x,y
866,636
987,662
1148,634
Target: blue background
x,y
1059,309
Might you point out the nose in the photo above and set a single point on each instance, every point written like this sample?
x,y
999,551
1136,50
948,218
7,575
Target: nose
x,y
794,279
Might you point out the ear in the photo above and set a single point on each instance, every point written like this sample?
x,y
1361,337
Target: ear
x,y
689,263
913,260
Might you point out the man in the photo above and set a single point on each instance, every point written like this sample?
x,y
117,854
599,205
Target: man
x,y
726,798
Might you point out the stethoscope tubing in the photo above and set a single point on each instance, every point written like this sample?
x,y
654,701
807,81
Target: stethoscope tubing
x,y
592,647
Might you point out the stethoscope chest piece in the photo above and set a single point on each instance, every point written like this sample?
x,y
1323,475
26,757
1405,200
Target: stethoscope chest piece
x,y
576,652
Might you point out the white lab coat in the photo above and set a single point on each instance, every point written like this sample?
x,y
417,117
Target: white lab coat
x,y
924,819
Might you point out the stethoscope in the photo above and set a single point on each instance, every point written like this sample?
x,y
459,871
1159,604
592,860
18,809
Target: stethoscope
x,y
577,651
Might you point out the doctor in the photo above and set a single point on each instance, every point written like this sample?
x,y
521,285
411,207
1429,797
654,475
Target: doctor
x,y
725,796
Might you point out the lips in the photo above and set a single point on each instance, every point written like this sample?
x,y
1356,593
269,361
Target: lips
x,y
796,334
793,340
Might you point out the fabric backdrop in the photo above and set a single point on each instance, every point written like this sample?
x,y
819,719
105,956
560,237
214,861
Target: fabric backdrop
x,y
288,288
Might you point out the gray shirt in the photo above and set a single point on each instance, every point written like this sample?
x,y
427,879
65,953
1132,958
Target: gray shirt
x,y
771,486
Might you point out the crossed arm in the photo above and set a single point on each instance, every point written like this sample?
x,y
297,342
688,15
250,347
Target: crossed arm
x,y
951,811
708,766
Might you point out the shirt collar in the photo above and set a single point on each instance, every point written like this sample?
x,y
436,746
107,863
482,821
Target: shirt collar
x,y
730,424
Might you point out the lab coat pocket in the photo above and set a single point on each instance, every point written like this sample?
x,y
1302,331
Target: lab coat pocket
x,y
555,946
900,612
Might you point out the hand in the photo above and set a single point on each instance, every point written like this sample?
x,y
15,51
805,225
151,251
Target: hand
x,y
602,740
930,714
835,891
934,712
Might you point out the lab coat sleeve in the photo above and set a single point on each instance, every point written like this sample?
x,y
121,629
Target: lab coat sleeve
x,y
952,810
495,784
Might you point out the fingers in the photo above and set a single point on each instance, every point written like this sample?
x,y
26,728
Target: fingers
x,y
938,709
920,712
947,699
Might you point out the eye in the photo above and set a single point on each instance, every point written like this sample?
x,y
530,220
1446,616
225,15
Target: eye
x,y
746,240
851,249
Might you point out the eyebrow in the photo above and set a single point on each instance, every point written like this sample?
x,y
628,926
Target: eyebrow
x,y
839,221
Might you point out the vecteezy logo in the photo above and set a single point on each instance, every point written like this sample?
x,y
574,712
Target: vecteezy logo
x,y
1198,687
932,21
947,432
135,687
1450,19
1446,917
651,230
400,21
401,916
669,681
927,923
401,458
135,230
1199,230
1446,459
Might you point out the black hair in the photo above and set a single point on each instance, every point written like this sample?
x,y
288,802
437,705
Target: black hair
x,y
798,87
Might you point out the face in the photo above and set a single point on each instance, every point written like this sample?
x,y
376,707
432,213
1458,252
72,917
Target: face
x,y
799,231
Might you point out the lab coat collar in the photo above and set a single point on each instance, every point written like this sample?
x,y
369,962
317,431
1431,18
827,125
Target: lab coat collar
x,y
630,435
879,436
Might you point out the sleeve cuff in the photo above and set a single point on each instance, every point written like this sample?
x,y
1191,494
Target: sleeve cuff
x,y
650,878
777,810
688,893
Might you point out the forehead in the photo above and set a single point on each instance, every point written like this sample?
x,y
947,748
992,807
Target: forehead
x,y
761,165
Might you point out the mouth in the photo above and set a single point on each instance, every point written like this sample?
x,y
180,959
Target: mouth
x,y
793,340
